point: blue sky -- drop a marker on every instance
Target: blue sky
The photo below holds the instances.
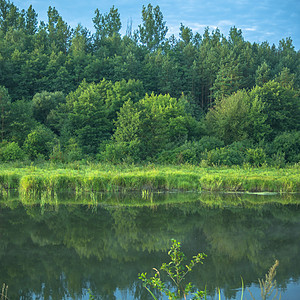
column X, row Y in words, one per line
column 262, row 20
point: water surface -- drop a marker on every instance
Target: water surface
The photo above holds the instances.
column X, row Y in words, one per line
column 60, row 251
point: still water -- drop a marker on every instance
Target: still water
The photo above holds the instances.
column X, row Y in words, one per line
column 63, row 249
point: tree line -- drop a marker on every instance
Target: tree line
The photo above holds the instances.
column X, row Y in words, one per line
column 67, row 94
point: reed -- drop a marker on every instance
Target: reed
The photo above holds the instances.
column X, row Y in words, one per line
column 101, row 178
column 3, row 295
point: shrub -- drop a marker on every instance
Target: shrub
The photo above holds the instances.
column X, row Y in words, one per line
column 11, row 152
column 57, row 154
column 72, row 151
column 229, row 118
column 225, row 156
column 190, row 152
column 289, row 144
column 256, row 157
column 39, row 141
column 117, row 152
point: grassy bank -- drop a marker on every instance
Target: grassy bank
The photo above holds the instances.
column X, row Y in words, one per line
column 99, row 178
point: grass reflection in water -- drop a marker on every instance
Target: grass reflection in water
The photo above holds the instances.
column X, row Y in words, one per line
column 59, row 251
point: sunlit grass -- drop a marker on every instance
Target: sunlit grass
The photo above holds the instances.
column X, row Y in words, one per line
column 111, row 178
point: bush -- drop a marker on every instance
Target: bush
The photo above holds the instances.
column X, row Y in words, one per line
column 190, row 152
column 277, row 160
column 256, row 157
column 225, row 156
column 72, row 151
column 39, row 142
column 289, row 144
column 116, row 152
column 11, row 152
column 57, row 154
column 229, row 118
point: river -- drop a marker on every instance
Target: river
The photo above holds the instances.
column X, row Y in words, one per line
column 71, row 248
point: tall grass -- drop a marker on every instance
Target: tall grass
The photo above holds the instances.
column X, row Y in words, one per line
column 104, row 178
column 3, row 295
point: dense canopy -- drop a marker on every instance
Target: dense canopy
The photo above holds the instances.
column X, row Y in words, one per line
column 67, row 93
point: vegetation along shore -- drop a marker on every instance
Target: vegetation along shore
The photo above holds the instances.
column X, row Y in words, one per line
column 107, row 178
column 198, row 112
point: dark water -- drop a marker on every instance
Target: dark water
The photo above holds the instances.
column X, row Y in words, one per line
column 60, row 251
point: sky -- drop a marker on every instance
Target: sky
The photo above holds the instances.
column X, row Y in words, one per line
column 259, row 20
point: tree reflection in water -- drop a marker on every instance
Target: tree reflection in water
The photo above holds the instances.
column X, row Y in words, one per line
column 61, row 251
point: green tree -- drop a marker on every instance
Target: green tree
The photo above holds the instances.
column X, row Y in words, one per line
column 21, row 121
column 44, row 102
column 4, row 110
column 287, row 143
column 87, row 115
column 107, row 25
column 280, row 109
column 263, row 74
column 156, row 122
column 9, row 16
column 153, row 30
column 93, row 107
column 31, row 21
column 228, row 119
column 286, row 78
column 11, row 152
column 227, row 81
column 59, row 32
column 39, row 142
column 185, row 33
column 125, row 145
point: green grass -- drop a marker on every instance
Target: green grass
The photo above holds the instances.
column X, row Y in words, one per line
column 89, row 178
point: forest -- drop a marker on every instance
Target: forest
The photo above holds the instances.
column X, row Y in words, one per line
column 69, row 94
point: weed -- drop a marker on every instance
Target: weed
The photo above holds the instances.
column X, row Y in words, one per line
column 269, row 285
column 3, row 295
column 177, row 272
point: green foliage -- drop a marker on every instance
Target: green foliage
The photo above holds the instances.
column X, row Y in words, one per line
column 279, row 108
column 72, row 151
column 39, row 142
column 227, row 156
column 21, row 121
column 43, row 103
column 176, row 271
column 11, row 152
column 107, row 25
column 263, row 74
column 81, row 178
column 119, row 152
column 93, row 107
column 286, row 78
column 255, row 157
column 57, row 154
column 155, row 123
column 192, row 152
column 4, row 109
column 227, row 82
column 228, row 119
column 152, row 32
column 186, row 33
column 208, row 72
column 237, row 153
column 287, row 143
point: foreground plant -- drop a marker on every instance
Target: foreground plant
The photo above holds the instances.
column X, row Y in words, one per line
column 269, row 285
column 3, row 295
column 176, row 271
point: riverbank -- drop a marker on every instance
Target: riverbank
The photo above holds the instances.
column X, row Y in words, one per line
column 108, row 178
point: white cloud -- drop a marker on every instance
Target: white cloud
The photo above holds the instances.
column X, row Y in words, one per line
column 225, row 23
column 249, row 28
column 197, row 26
